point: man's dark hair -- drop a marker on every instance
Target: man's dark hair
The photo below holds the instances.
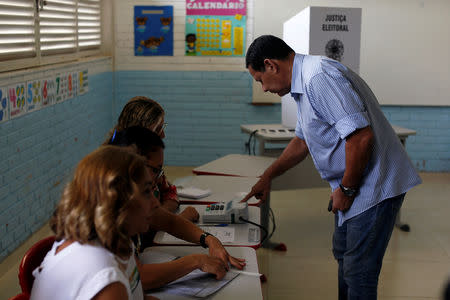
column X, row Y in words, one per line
column 145, row 140
column 266, row 46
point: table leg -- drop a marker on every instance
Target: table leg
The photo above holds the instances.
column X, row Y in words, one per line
column 261, row 146
column 265, row 209
column 402, row 226
column 398, row 223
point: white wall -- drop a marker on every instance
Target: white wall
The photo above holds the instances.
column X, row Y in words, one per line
column 405, row 45
column 124, row 42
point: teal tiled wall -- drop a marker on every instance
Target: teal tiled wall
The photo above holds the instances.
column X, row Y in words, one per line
column 38, row 153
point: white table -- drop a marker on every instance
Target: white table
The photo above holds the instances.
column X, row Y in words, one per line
column 278, row 134
column 250, row 166
column 242, row 287
column 245, row 234
column 223, row 188
column 244, row 166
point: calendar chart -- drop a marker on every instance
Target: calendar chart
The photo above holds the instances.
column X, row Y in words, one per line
column 215, row 28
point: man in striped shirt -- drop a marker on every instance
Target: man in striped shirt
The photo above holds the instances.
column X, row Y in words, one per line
column 353, row 146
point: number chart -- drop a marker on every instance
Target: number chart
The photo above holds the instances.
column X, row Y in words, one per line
column 16, row 95
column 83, row 82
column 48, row 91
column 34, row 95
column 4, row 108
column 21, row 98
column 62, row 87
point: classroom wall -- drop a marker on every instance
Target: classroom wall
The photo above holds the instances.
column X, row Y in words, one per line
column 39, row 150
column 404, row 45
column 205, row 98
column 429, row 149
column 205, row 106
column 204, row 110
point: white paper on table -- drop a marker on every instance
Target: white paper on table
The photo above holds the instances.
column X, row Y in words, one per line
column 193, row 192
column 197, row 284
column 225, row 234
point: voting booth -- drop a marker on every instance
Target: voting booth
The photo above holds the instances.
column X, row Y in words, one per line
column 334, row 32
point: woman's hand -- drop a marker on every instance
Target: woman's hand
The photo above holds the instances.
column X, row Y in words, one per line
column 216, row 249
column 190, row 213
column 212, row 265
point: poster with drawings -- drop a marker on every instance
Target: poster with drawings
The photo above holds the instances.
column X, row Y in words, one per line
column 62, row 87
column 16, row 96
column 153, row 30
column 83, row 82
column 48, row 91
column 34, row 95
column 4, row 111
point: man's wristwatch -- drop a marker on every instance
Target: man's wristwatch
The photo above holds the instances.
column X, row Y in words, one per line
column 349, row 192
column 203, row 238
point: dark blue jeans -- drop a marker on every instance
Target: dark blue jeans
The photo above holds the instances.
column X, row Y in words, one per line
column 359, row 246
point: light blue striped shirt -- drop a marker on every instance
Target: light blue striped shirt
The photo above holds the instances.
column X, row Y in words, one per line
column 333, row 102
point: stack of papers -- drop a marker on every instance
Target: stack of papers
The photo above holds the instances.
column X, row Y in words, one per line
column 195, row 284
column 192, row 192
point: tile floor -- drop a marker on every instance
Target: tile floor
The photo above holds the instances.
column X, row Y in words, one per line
column 416, row 264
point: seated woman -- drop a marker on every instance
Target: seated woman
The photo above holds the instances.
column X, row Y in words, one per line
column 147, row 143
column 144, row 112
column 110, row 198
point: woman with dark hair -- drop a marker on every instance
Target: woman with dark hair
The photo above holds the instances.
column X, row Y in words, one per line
column 147, row 113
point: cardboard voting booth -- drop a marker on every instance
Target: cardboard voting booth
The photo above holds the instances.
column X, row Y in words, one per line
column 334, row 32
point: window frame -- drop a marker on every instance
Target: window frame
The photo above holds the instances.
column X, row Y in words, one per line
column 39, row 60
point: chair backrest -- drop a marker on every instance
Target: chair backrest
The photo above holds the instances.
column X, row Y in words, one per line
column 31, row 260
column 21, row 296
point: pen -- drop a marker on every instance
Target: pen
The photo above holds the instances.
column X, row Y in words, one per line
column 247, row 273
column 214, row 225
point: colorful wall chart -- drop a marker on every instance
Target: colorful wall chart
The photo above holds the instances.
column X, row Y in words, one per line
column 4, row 107
column 74, row 86
column 48, row 91
column 24, row 97
column 83, row 82
column 153, row 30
column 34, row 95
column 62, row 87
column 17, row 103
column 215, row 27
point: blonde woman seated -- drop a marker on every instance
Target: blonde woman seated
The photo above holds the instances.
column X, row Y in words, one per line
column 150, row 145
column 110, row 199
